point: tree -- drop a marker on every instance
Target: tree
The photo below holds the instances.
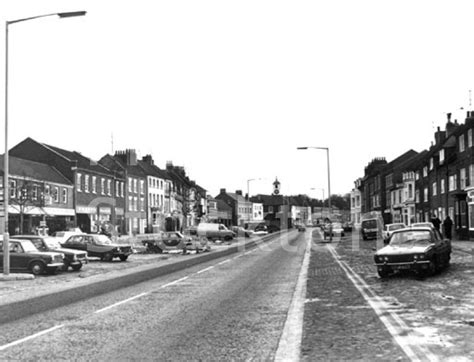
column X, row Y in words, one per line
column 25, row 195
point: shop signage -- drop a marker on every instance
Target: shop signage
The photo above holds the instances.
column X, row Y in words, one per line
column 86, row 210
column 105, row 210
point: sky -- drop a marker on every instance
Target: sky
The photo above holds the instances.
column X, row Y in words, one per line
column 230, row 89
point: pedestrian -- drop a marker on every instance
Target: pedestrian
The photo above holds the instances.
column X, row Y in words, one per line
column 447, row 225
column 436, row 222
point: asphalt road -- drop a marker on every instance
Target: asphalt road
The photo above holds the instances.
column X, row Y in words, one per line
column 230, row 308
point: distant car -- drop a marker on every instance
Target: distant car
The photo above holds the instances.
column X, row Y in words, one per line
column 98, row 245
column 24, row 257
column 272, row 229
column 167, row 241
column 301, row 227
column 240, row 231
column 371, row 228
column 390, row 228
column 418, row 249
column 423, row 224
column 336, row 228
column 72, row 258
column 347, row 226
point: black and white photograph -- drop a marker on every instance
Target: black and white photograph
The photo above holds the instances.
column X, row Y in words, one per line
column 215, row 180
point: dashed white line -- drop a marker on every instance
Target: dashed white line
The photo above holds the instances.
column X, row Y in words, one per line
column 26, row 339
column 205, row 270
column 121, row 302
column 174, row 282
column 224, row 261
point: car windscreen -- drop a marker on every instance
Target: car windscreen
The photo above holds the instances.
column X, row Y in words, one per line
column 411, row 237
column 395, row 227
column 52, row 243
column 369, row 224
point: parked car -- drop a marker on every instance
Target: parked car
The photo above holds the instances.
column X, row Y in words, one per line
column 423, row 224
column 301, row 227
column 98, row 245
column 167, row 241
column 390, row 228
column 418, row 249
column 272, row 229
column 371, row 228
column 335, row 227
column 242, row 232
column 72, row 258
column 62, row 236
column 24, row 257
column 347, row 226
column 214, row 231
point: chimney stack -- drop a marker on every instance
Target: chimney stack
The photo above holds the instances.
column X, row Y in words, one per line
column 238, row 192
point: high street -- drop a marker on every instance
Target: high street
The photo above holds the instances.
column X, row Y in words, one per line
column 278, row 301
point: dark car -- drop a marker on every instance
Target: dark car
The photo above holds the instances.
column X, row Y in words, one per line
column 301, row 227
column 167, row 241
column 24, row 257
column 72, row 258
column 242, row 232
column 98, row 245
column 418, row 249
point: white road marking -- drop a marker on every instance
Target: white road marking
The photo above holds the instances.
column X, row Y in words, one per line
column 206, row 269
column 224, row 261
column 26, row 339
column 400, row 332
column 121, row 302
column 175, row 282
column 290, row 342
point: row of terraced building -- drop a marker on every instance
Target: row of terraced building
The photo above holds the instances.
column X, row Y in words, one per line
column 416, row 185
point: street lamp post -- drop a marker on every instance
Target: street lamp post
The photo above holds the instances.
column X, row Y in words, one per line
column 329, row 179
column 6, row 252
column 248, row 183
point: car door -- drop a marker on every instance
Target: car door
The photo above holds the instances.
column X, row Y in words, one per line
column 76, row 242
column 18, row 258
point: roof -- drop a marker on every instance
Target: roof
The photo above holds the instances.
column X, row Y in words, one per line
column 153, row 170
column 35, row 170
column 82, row 161
column 269, row 199
column 116, row 163
column 221, row 205
column 236, row 197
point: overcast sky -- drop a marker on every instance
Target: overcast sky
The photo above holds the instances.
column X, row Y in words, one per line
column 230, row 89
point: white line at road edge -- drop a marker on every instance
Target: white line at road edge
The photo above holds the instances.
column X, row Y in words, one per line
column 290, row 341
column 26, row 339
column 400, row 332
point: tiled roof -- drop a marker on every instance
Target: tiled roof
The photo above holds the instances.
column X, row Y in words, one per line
column 82, row 161
column 34, row 170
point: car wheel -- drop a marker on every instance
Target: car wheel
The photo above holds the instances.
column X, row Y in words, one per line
column 383, row 273
column 123, row 257
column 37, row 267
column 108, row 257
column 76, row 267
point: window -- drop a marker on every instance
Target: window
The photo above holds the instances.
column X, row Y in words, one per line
column 55, row 194
column 434, row 188
column 102, row 186
column 417, row 175
column 130, row 203
column 142, row 187
column 142, row 204
column 34, row 193
column 388, row 180
column 122, row 189
column 78, row 182
column 94, row 184
column 461, row 143
column 471, row 175
column 64, row 196
column 425, row 171
column 109, row 187
column 442, row 186
column 417, row 196
column 425, row 194
column 86, row 183
column 117, row 188
column 129, row 184
column 12, row 189
column 452, row 182
column 135, row 185
column 463, row 179
column 441, row 156
column 410, row 191
column 469, row 137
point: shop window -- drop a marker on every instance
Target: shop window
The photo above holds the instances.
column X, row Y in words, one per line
column 64, row 196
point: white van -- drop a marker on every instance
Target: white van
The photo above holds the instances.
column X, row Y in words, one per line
column 215, row 231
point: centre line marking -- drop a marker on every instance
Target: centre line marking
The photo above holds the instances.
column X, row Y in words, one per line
column 400, row 332
column 26, row 339
column 206, row 269
column 121, row 302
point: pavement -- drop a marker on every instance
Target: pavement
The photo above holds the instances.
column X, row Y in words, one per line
column 23, row 294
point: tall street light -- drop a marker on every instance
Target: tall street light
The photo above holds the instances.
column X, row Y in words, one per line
column 329, row 178
column 248, row 183
column 6, row 253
